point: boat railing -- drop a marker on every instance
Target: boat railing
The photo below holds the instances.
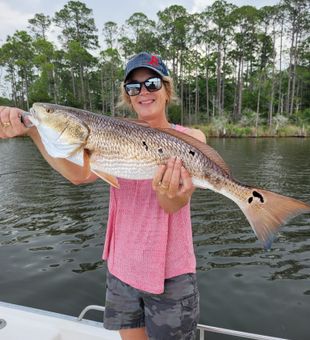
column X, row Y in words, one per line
column 203, row 329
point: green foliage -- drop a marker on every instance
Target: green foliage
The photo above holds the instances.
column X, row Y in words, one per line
column 5, row 102
column 224, row 62
column 248, row 118
column 304, row 116
column 39, row 24
column 234, row 130
column 174, row 113
column 38, row 91
column 77, row 24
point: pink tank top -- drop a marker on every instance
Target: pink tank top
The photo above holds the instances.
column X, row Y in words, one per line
column 144, row 245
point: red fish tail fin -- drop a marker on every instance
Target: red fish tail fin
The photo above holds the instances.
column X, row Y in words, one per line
column 267, row 211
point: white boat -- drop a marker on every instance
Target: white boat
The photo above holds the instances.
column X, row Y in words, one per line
column 25, row 323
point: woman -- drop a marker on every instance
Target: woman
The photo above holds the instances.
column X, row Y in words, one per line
column 151, row 282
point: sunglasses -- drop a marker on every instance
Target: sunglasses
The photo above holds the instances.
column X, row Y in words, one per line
column 152, row 85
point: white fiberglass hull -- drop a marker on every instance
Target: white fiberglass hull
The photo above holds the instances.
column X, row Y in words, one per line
column 24, row 323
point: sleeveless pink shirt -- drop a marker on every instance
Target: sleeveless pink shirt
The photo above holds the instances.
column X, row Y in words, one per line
column 144, row 245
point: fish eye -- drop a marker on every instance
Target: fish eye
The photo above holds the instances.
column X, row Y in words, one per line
column 49, row 110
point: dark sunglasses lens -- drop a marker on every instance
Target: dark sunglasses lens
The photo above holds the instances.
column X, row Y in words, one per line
column 153, row 84
column 133, row 89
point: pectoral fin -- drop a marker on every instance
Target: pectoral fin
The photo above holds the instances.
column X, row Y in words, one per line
column 86, row 164
column 112, row 180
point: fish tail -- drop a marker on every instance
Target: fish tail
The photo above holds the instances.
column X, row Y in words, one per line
column 267, row 211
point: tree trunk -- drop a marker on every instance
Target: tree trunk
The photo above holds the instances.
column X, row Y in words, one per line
column 237, row 112
column 112, row 106
column 182, row 91
column 27, row 91
column 290, row 71
column 89, row 94
column 280, row 105
column 189, row 105
column 240, row 90
column 218, row 79
column 102, row 90
column 223, row 83
column 55, row 89
column 207, row 86
column 299, row 96
column 14, row 90
column 73, row 82
column 270, row 111
column 182, row 101
column 234, row 109
column 258, row 101
column 83, row 87
column 294, row 75
column 196, row 95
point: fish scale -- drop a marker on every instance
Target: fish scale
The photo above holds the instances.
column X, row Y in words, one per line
column 135, row 143
column 113, row 147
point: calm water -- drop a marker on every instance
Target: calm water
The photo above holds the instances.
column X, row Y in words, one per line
column 52, row 234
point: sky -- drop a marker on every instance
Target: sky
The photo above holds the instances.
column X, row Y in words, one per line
column 14, row 14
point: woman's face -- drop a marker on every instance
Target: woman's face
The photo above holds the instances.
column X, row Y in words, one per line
column 148, row 105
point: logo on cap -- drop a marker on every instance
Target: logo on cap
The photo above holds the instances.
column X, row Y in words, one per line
column 154, row 61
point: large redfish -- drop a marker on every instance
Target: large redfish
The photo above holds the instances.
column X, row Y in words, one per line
column 115, row 147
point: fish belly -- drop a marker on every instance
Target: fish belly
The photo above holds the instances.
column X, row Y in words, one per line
column 124, row 168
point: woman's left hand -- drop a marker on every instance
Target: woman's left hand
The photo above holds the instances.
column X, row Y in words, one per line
column 173, row 185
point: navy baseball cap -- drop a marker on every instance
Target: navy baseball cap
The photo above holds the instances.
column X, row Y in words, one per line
column 144, row 59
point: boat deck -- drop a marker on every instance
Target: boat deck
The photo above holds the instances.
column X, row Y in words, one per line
column 25, row 323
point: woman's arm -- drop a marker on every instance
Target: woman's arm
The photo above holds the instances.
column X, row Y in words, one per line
column 72, row 172
column 11, row 126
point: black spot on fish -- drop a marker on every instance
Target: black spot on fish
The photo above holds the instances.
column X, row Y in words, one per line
column 258, row 195
column 192, row 153
column 250, row 199
column 160, row 150
column 145, row 145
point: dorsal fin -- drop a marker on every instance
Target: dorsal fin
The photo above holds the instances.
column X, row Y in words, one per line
column 204, row 148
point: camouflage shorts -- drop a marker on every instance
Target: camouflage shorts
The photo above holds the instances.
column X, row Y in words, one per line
column 171, row 315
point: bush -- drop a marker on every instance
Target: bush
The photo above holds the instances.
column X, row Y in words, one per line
column 174, row 113
column 219, row 124
column 5, row 102
column 303, row 117
column 280, row 121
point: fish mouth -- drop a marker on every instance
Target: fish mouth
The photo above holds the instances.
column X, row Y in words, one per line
column 33, row 117
column 29, row 119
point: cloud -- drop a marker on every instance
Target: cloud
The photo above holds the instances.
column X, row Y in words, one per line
column 11, row 19
column 200, row 5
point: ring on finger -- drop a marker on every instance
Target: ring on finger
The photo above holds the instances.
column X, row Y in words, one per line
column 6, row 124
column 163, row 186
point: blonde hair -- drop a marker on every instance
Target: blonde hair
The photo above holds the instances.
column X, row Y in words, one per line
column 124, row 99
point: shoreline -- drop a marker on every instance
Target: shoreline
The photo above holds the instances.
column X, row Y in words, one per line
column 263, row 131
column 237, row 131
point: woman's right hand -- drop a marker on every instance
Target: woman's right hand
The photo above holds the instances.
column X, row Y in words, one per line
column 10, row 122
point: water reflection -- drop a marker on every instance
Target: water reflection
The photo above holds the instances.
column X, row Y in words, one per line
column 52, row 234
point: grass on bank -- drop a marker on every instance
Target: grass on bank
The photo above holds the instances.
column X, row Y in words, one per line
column 252, row 126
column 235, row 130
